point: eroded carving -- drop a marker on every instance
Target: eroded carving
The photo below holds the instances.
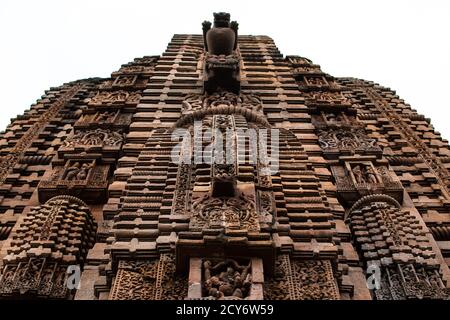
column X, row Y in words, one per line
column 97, row 137
column 227, row 279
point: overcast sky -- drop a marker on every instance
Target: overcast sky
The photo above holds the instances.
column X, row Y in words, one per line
column 401, row 44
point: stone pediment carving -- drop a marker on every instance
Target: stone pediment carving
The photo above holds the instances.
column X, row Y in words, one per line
column 197, row 106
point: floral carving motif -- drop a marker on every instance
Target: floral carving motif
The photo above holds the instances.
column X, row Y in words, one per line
column 231, row 213
column 149, row 280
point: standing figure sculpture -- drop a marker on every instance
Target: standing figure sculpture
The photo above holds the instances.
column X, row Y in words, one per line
column 357, row 172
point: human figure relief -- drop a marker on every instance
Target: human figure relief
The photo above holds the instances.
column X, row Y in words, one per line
column 84, row 171
column 370, row 175
column 227, row 279
column 358, row 173
column 72, row 171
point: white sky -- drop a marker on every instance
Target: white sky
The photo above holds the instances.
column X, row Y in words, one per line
column 401, row 44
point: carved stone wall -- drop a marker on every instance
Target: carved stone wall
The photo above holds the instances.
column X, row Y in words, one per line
column 361, row 181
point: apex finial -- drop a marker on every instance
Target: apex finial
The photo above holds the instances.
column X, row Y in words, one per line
column 221, row 19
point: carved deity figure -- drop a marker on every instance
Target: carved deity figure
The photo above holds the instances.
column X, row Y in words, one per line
column 84, row 171
column 358, row 173
column 370, row 175
column 72, row 171
column 222, row 38
column 226, row 279
column 78, row 172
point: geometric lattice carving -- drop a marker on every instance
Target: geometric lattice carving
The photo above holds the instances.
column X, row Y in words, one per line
column 296, row 279
column 149, row 280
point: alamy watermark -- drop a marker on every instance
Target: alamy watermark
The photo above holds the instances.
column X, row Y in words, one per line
column 373, row 277
column 230, row 146
column 73, row 280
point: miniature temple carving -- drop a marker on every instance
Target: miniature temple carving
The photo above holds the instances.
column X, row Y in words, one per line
column 223, row 170
column 37, row 264
column 392, row 239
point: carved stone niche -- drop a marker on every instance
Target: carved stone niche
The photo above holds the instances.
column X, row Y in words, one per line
column 221, row 60
column 82, row 178
column 226, row 279
column 105, row 141
column 360, row 176
column 110, row 99
column 346, row 141
column 328, row 101
column 124, row 81
column 113, row 119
